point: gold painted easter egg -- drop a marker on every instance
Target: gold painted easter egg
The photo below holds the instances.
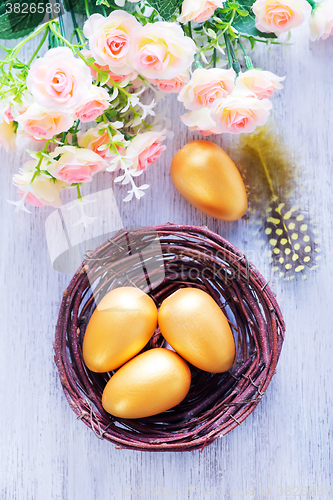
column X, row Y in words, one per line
column 208, row 178
column 119, row 328
column 152, row 382
column 194, row 325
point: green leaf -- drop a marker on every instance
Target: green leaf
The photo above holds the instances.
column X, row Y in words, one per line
column 165, row 8
column 231, row 32
column 252, row 42
column 21, row 21
column 242, row 13
column 246, row 26
column 233, row 5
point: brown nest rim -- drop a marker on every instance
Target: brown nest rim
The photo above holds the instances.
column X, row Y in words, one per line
column 159, row 260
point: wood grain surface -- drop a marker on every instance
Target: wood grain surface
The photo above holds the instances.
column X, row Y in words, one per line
column 283, row 450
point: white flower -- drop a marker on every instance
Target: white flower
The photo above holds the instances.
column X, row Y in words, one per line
column 8, row 136
column 321, row 21
column 198, row 10
column 37, row 190
column 201, row 121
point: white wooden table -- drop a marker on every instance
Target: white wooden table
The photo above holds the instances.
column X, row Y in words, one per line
column 285, row 445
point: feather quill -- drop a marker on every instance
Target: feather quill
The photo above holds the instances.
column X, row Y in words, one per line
column 271, row 176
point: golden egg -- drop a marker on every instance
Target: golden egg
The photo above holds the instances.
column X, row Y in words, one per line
column 208, row 178
column 194, row 325
column 148, row 384
column 119, row 328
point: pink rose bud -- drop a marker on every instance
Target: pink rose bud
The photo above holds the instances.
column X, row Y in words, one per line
column 145, row 149
column 174, row 85
column 96, row 102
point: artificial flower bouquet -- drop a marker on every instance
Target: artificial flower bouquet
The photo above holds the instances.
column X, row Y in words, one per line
column 86, row 105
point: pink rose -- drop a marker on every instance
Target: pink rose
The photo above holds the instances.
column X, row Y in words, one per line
column 59, row 80
column 96, row 102
column 240, row 113
column 145, row 148
column 97, row 139
column 321, row 21
column 161, row 50
column 43, row 191
column 198, row 10
column 110, row 39
column 112, row 76
column 42, row 123
column 200, row 121
column 8, row 115
column 8, row 136
column 175, row 85
column 76, row 165
column 279, row 16
column 20, row 105
column 262, row 83
column 207, row 85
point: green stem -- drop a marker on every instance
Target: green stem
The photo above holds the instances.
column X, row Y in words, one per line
column 312, row 3
column 77, row 127
column 39, row 46
column 63, row 138
column 78, row 191
column 86, row 8
column 228, row 51
column 247, row 59
column 37, row 171
column 197, row 62
column 264, row 40
column 189, row 25
column 214, row 57
column 58, row 35
column 76, row 26
column 229, row 23
column 61, row 22
column 74, row 139
column 19, row 46
column 231, row 54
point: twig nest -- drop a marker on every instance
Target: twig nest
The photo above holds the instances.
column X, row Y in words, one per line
column 159, row 260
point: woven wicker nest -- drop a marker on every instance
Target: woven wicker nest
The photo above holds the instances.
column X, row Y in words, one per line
column 159, row 260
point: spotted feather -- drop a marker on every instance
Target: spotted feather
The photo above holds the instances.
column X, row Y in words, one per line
column 271, row 175
column 292, row 239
